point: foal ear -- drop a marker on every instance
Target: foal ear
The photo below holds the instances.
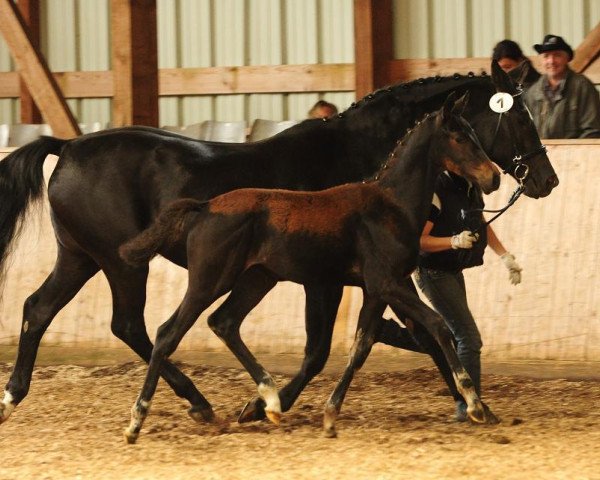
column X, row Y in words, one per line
column 448, row 108
column 501, row 80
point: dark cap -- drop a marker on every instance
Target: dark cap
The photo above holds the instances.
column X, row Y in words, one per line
column 553, row 42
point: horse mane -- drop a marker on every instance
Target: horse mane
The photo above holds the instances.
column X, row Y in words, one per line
column 414, row 91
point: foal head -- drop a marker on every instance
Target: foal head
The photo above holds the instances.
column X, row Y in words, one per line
column 460, row 150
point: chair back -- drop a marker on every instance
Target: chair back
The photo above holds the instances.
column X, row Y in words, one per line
column 262, row 128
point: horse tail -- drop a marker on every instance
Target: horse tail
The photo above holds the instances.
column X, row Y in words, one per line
column 165, row 230
column 21, row 185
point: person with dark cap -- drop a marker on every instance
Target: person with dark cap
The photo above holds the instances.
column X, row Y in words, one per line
column 509, row 55
column 564, row 104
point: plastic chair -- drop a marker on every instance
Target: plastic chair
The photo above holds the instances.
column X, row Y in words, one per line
column 216, row 131
column 90, row 127
column 23, row 133
column 4, row 129
column 262, row 129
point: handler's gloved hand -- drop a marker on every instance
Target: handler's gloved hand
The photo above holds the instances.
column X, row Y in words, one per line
column 464, row 239
column 514, row 270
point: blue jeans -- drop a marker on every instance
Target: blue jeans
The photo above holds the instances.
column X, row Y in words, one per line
column 446, row 292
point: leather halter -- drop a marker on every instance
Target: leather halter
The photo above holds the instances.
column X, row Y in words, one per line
column 520, row 170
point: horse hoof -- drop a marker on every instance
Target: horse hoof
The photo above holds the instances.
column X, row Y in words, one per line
column 477, row 413
column 201, row 414
column 275, row 417
column 330, row 432
column 130, row 437
column 490, row 417
column 5, row 411
column 254, row 410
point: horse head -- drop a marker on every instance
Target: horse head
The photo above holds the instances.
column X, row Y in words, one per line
column 461, row 150
column 511, row 138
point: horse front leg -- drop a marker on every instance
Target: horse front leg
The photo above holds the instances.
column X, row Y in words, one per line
column 406, row 302
column 249, row 288
column 369, row 323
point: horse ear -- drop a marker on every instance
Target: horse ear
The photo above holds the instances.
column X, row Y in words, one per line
column 448, row 107
column 501, row 80
column 461, row 104
column 520, row 72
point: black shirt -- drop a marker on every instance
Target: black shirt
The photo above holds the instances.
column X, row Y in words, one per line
column 451, row 213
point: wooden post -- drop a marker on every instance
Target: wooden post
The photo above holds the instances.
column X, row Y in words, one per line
column 30, row 10
column 373, row 44
column 587, row 51
column 134, row 62
column 35, row 73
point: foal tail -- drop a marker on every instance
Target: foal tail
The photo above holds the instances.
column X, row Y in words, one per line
column 21, row 185
column 166, row 229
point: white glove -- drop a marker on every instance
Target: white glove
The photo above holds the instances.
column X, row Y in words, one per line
column 464, row 239
column 514, row 270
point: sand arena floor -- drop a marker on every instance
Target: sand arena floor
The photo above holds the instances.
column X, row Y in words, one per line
column 393, row 425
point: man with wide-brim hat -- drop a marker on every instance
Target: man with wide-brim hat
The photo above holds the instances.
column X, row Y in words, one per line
column 564, row 104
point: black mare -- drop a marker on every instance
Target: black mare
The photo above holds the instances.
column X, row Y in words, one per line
column 109, row 186
column 362, row 234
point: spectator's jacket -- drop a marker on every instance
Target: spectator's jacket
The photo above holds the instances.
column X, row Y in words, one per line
column 574, row 114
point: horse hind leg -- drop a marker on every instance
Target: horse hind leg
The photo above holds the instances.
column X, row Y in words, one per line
column 249, row 289
column 321, row 308
column 128, row 288
column 71, row 271
column 168, row 337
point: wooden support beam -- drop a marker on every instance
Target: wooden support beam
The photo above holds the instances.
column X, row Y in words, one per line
column 134, row 62
column 35, row 72
column 372, row 44
column 30, row 11
column 587, row 51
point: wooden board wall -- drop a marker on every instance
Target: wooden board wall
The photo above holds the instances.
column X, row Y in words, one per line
column 553, row 314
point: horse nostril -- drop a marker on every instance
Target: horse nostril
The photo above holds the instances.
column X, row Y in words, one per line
column 496, row 181
column 552, row 181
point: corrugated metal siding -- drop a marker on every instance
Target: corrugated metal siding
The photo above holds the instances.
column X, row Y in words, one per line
column 465, row 28
column 202, row 33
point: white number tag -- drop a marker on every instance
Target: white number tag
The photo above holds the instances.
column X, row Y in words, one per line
column 501, row 102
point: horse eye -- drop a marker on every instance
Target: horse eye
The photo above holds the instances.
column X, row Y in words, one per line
column 461, row 139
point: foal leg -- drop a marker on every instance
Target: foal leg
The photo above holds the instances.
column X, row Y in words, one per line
column 321, row 308
column 369, row 322
column 128, row 287
column 249, row 289
column 71, row 271
column 168, row 337
column 408, row 303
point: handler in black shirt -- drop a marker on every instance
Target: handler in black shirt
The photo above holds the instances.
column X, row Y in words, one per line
column 454, row 239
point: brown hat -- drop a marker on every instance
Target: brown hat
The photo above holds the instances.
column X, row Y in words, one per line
column 553, row 42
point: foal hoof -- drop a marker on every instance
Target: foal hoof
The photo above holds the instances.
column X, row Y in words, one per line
column 5, row 410
column 275, row 417
column 130, row 437
column 477, row 413
column 200, row 414
column 330, row 432
column 253, row 411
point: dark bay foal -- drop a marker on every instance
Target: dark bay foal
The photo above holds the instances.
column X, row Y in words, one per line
column 362, row 234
